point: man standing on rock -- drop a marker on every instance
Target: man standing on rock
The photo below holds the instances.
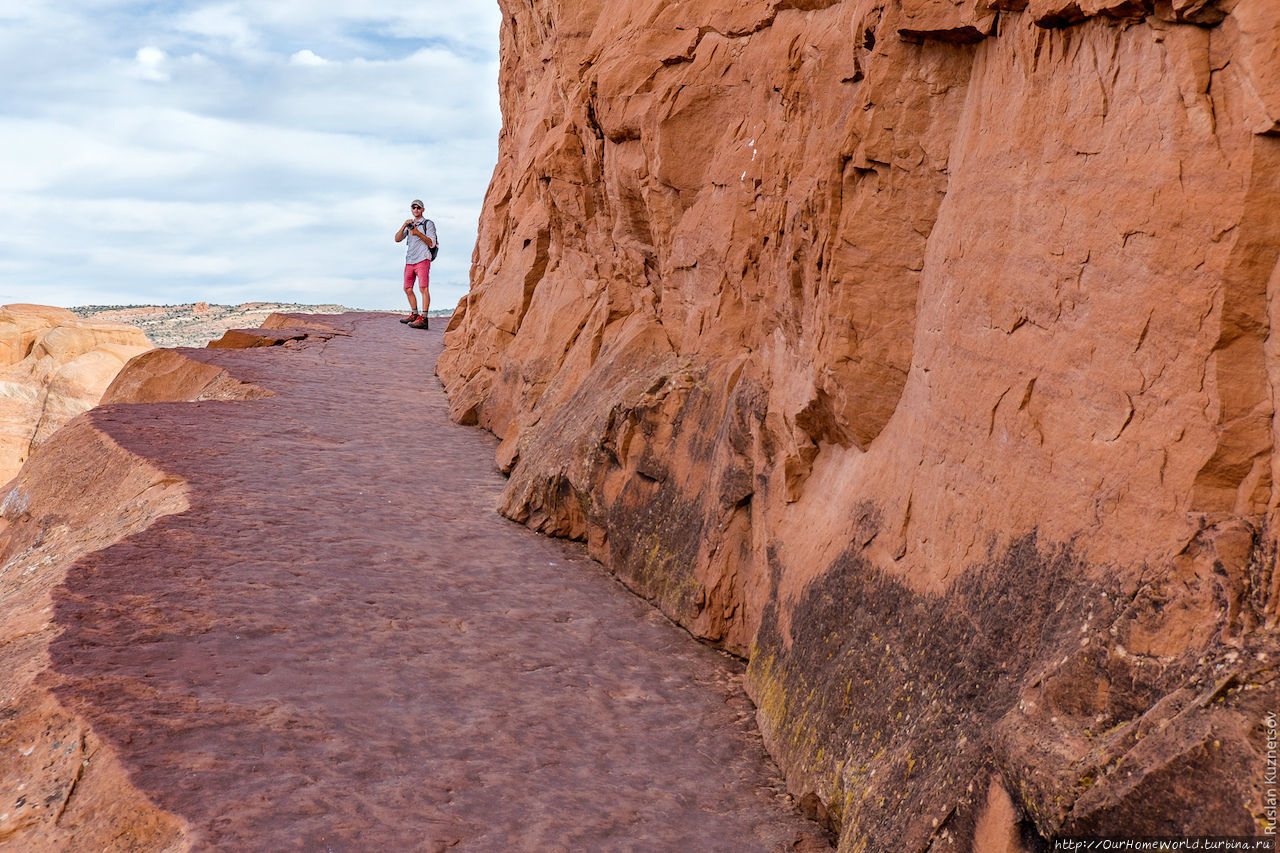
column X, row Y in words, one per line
column 417, row 262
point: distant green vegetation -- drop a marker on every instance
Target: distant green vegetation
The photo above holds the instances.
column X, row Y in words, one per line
column 86, row 310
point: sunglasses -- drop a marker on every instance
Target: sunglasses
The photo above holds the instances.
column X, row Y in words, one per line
column 415, row 207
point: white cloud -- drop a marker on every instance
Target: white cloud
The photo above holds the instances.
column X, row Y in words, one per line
column 275, row 162
column 150, row 64
column 307, row 57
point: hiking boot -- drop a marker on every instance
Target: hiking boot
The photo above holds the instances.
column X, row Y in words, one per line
column 410, row 318
column 420, row 323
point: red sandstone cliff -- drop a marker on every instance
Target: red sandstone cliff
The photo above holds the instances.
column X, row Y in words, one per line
column 921, row 352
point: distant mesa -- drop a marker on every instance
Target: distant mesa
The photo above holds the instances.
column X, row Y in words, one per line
column 195, row 324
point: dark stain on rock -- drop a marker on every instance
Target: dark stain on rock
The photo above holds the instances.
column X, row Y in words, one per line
column 899, row 705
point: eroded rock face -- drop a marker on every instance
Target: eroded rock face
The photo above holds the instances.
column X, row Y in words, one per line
column 53, row 366
column 919, row 351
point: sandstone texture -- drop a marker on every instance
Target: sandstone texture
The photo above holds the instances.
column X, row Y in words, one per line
column 53, row 366
column 919, row 352
column 259, row 600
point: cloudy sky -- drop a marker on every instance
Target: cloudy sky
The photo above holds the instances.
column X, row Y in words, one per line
column 244, row 150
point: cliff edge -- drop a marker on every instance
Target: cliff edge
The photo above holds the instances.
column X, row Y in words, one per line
column 53, row 366
column 919, row 352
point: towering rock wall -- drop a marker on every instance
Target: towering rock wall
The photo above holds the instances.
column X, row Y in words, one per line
column 919, row 351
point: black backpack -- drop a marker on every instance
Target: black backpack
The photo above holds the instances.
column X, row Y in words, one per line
column 435, row 250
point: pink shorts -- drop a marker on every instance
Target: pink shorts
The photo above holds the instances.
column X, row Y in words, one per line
column 422, row 270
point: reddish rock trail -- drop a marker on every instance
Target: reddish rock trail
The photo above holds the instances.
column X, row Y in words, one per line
column 341, row 646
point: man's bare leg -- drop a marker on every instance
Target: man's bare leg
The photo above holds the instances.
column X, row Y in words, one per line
column 421, row 322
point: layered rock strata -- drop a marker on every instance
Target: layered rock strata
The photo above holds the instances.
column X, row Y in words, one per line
column 53, row 366
column 920, row 352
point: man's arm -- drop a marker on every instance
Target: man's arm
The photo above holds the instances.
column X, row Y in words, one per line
column 403, row 228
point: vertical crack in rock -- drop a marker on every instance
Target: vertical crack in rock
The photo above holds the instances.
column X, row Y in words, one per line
column 1237, row 478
